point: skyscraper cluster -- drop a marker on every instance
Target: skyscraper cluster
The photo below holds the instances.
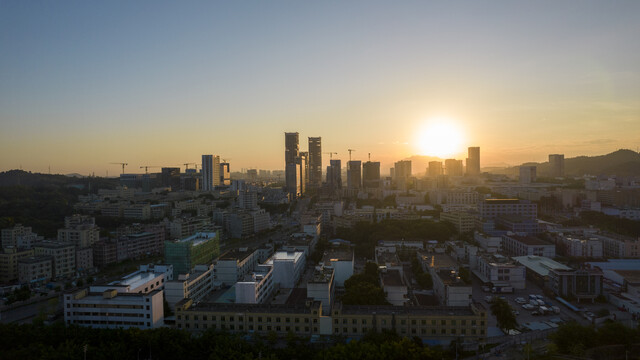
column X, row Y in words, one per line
column 302, row 169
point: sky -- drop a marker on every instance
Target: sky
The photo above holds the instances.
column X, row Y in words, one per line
column 84, row 84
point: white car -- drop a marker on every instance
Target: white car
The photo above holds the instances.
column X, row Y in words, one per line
column 528, row 307
column 521, row 301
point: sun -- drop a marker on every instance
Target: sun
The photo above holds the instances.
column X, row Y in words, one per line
column 440, row 137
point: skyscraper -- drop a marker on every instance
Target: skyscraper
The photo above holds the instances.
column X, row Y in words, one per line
column 225, row 174
column 315, row 161
column 210, row 172
column 435, row 168
column 354, row 174
column 556, row 162
column 302, row 172
column 371, row 174
column 473, row 161
column 527, row 174
column 291, row 152
column 402, row 174
column 334, row 174
column 453, row 167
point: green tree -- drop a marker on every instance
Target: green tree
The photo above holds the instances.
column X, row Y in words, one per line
column 501, row 309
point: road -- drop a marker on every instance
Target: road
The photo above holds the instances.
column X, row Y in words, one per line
column 26, row 313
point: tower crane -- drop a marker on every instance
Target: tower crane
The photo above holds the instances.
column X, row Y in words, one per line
column 226, row 160
column 146, row 168
column 186, row 165
column 350, row 150
column 369, row 157
column 121, row 163
column 331, row 154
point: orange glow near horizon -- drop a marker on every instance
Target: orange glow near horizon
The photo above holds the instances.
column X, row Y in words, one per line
column 440, row 137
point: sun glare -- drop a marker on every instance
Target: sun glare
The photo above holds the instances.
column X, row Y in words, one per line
column 441, row 138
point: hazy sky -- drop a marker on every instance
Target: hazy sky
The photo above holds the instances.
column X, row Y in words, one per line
column 83, row 84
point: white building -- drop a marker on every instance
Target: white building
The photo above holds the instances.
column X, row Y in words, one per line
column 261, row 220
column 98, row 307
column 490, row 244
column 145, row 280
column 500, row 271
column 591, row 248
column 210, row 172
column 341, row 260
column 322, row 287
column 517, row 245
column 234, row 265
column 450, row 289
column 257, row 287
column 195, row 285
column 288, row 266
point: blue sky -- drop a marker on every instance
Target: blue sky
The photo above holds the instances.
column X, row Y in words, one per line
column 83, row 84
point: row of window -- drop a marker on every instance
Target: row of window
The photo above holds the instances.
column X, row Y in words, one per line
column 414, row 331
column 87, row 313
column 102, row 322
column 413, row 322
column 106, row 306
column 241, row 318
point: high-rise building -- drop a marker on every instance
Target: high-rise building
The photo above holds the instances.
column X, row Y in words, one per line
column 473, row 161
column 291, row 153
column 170, row 176
column 435, row 168
column 302, row 171
column 354, row 174
column 556, row 162
column 371, row 174
column 527, row 174
column 225, row 174
column 210, row 172
column 402, row 174
column 334, row 174
column 315, row 161
column 453, row 167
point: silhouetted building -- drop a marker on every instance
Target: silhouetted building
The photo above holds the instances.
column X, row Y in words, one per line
column 453, row 167
column 302, row 171
column 334, row 174
column 371, row 174
column 354, row 174
column 435, row 168
column 527, row 174
column 170, row 176
column 291, row 153
column 473, row 161
column 556, row 162
column 315, row 161
column 210, row 172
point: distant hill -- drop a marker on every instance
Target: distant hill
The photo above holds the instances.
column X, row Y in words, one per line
column 26, row 178
column 621, row 163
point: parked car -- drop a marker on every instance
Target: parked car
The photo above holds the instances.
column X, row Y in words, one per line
column 521, row 301
column 488, row 298
column 528, row 307
column 486, row 289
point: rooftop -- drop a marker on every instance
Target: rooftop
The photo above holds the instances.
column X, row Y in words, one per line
column 239, row 254
column 631, row 276
column 254, row 308
column 285, row 255
column 337, row 254
column 392, row 278
column 451, row 278
column 501, row 201
column 528, row 240
column 540, row 264
column 136, row 279
column 34, row 259
column 322, row 275
column 438, row 260
column 406, row 310
column 198, row 238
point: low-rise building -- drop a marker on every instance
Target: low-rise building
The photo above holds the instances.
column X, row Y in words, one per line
column 9, row 257
column 84, row 259
column 341, row 259
column 195, row 285
column 111, row 309
column 235, row 264
column 450, row 288
column 519, row 245
column 63, row 254
column 288, row 266
column 538, row 268
column 394, row 287
column 500, row 271
column 197, row 249
column 321, row 287
column 490, row 244
column 35, row 270
column 579, row 284
column 464, row 221
column 591, row 247
column 256, row 287
column 148, row 278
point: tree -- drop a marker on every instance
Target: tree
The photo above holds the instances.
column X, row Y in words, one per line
column 501, row 309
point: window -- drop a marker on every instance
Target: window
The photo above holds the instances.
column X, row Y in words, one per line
column 443, row 322
column 354, row 321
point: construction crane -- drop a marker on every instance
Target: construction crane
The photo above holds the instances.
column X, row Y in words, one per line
column 146, row 168
column 226, row 160
column 186, row 165
column 121, row 163
column 369, row 157
column 331, row 154
column 350, row 150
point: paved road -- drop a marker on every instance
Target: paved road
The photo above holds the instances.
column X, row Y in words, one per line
column 26, row 313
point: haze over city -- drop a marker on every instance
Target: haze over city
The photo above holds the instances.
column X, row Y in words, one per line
column 86, row 84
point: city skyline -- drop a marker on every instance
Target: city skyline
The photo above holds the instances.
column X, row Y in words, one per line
column 86, row 85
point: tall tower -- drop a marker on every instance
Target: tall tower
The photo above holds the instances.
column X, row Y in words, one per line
column 556, row 161
column 315, row 161
column 334, row 174
column 291, row 153
column 210, row 172
column 225, row 174
column 354, row 174
column 371, row 174
column 435, row 168
column 473, row 161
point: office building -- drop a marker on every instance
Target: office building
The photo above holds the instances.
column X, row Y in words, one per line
column 582, row 284
column 210, row 172
column 527, row 174
column 63, row 254
column 235, row 264
column 9, row 258
column 435, row 169
column 556, row 164
column 256, row 287
column 315, row 161
column 225, row 174
column 464, row 221
column 453, row 167
column 302, row 172
column 291, row 153
column 500, row 271
column 195, row 285
column 35, row 270
column 402, row 174
column 491, row 208
column 354, row 174
column 80, row 230
column 170, row 177
column 371, row 175
column 473, row 161
column 288, row 266
column 517, row 245
column 321, row 287
column 334, row 174
column 19, row 236
column 342, row 260
column 197, row 249
column 97, row 307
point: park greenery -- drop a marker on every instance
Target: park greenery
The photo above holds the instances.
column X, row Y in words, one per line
column 575, row 339
column 364, row 289
column 503, row 312
column 57, row 341
column 366, row 235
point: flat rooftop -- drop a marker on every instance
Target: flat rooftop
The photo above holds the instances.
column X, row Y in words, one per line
column 323, row 275
column 631, row 276
column 135, row 279
column 438, row 260
column 392, row 278
column 501, row 201
column 285, row 255
column 406, row 310
column 337, row 254
column 449, row 280
column 253, row 308
column 199, row 238
column 529, row 240
column 237, row 254
column 540, row 264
